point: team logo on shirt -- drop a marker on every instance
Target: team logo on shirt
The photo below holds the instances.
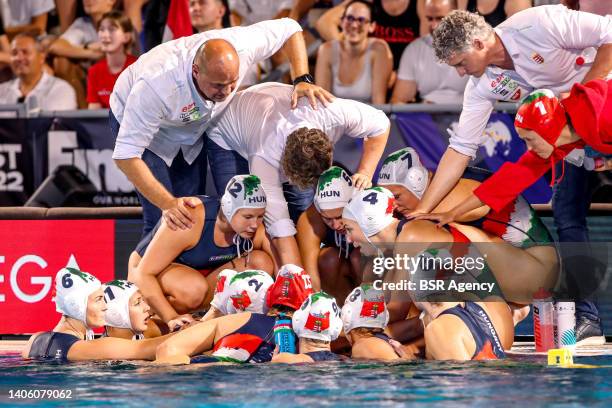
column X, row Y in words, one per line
column 190, row 112
column 537, row 58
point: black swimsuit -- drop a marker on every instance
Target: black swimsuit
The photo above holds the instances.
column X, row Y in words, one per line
column 52, row 346
column 324, row 356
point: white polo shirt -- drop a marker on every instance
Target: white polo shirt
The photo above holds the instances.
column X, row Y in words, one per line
column 257, row 123
column 436, row 82
column 155, row 99
column 551, row 47
column 50, row 94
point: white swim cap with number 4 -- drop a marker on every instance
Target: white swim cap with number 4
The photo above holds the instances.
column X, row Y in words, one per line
column 372, row 209
column 242, row 191
column 404, row 168
column 318, row 318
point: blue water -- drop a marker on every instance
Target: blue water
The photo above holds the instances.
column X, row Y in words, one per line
column 520, row 383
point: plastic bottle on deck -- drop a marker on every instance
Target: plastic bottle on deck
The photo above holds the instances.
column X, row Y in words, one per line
column 543, row 320
column 565, row 325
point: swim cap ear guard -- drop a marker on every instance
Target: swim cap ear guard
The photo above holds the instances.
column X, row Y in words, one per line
column 117, row 295
column 222, row 290
column 404, row 168
column 334, row 189
column 72, row 288
column 247, row 292
column 242, row 191
column 542, row 112
column 371, row 209
column 318, row 318
column 291, row 287
column 364, row 307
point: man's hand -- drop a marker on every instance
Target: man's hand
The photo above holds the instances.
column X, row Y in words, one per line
column 312, row 92
column 361, row 181
column 179, row 322
column 177, row 215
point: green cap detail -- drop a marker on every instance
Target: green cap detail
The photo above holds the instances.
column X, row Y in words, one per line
column 244, row 275
column 535, row 95
column 83, row 275
column 328, row 176
column 395, row 156
column 118, row 283
column 320, row 295
column 251, row 183
column 378, row 189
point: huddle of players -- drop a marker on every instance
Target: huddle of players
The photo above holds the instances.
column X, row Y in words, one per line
column 247, row 302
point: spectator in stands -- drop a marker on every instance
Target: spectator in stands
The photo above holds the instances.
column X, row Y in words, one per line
column 419, row 69
column 494, row 11
column 32, row 84
column 398, row 22
column 207, row 15
column 355, row 67
column 78, row 47
column 4, row 49
column 247, row 12
column 115, row 34
column 20, row 16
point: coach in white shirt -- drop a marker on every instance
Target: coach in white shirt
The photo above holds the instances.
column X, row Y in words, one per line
column 540, row 47
column 32, row 85
column 162, row 104
column 282, row 145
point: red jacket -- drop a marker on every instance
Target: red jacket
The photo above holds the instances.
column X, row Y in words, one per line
column 589, row 107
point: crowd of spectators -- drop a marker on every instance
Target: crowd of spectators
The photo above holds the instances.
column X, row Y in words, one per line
column 67, row 54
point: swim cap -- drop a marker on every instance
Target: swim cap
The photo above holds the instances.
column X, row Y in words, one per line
column 247, row 291
column 242, row 191
column 72, row 288
column 291, row 287
column 222, row 290
column 364, row 307
column 334, row 189
column 117, row 296
column 542, row 112
column 404, row 168
column 318, row 318
column 372, row 209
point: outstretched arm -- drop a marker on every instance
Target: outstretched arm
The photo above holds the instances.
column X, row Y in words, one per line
column 113, row 348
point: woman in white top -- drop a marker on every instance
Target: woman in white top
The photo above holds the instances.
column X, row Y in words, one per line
column 355, row 67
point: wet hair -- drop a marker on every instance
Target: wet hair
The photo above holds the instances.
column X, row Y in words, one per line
column 275, row 310
column 121, row 21
column 307, row 154
column 367, row 331
column 457, row 31
column 317, row 341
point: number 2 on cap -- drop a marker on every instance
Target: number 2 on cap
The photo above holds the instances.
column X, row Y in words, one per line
column 234, row 189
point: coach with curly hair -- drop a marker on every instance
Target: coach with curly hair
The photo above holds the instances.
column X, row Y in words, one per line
column 289, row 149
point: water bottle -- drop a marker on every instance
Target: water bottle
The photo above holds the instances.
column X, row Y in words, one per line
column 543, row 320
column 284, row 337
column 565, row 324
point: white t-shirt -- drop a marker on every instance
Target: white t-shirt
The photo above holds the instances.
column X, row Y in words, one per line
column 20, row 12
column 437, row 82
column 254, row 11
column 546, row 45
column 81, row 32
column 157, row 103
column 50, row 93
column 257, row 123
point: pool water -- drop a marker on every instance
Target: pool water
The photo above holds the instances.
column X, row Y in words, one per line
column 521, row 383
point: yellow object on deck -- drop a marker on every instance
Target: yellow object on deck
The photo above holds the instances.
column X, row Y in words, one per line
column 560, row 357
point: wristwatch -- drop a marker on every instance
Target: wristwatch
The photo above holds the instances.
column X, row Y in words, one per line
column 303, row 78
